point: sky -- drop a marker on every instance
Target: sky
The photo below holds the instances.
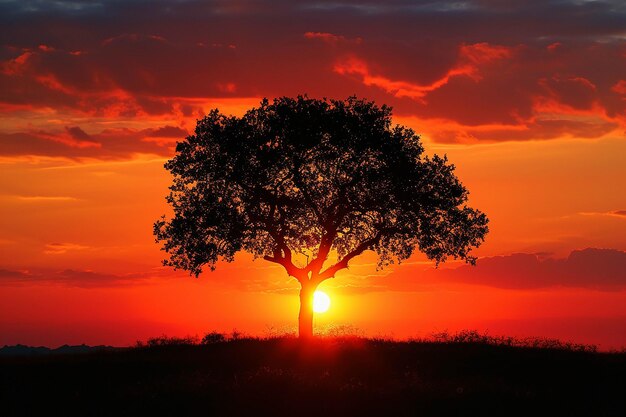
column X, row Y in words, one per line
column 527, row 99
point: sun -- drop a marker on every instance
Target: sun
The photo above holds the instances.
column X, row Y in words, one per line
column 321, row 302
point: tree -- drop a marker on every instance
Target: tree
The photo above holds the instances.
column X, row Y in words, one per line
column 328, row 179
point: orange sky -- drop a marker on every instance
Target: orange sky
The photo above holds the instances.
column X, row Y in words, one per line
column 93, row 98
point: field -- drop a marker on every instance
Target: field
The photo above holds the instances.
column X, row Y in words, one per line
column 452, row 376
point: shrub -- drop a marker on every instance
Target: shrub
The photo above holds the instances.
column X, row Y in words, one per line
column 171, row 341
column 213, row 338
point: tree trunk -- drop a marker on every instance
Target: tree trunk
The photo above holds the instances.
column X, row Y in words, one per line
column 305, row 318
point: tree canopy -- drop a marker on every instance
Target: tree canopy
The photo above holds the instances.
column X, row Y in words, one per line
column 308, row 176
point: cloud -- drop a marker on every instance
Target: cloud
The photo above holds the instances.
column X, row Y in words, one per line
column 330, row 38
column 133, row 37
column 620, row 87
column 108, row 144
column 71, row 277
column 41, row 198
column 59, row 248
column 539, row 70
column 592, row 268
column 169, row 132
column 397, row 88
column 78, row 134
column 470, row 58
column 538, row 129
column 575, row 92
column 613, row 213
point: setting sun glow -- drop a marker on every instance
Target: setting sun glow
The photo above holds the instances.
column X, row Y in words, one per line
column 321, row 302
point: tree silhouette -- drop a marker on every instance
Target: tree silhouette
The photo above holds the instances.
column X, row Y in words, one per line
column 328, row 179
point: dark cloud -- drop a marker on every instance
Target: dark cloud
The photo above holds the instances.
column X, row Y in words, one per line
column 576, row 92
column 600, row 269
column 473, row 64
column 108, row 144
column 79, row 134
column 536, row 129
column 169, row 132
column 70, row 277
column 10, row 275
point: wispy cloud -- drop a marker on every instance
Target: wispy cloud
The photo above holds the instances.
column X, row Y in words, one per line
column 613, row 213
column 61, row 248
column 72, row 277
column 41, row 198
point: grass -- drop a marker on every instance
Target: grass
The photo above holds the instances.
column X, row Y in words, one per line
column 463, row 374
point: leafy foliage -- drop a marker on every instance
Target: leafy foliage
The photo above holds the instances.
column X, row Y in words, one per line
column 307, row 176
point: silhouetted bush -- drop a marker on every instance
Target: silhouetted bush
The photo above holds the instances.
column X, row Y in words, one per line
column 171, row 341
column 212, row 338
column 474, row 336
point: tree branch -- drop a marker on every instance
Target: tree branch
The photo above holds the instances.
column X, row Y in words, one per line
column 343, row 263
column 291, row 269
column 297, row 179
column 330, row 225
column 326, row 243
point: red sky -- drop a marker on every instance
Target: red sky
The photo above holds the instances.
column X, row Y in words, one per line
column 527, row 99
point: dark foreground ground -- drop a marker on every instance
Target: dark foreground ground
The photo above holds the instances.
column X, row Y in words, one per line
column 332, row 377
